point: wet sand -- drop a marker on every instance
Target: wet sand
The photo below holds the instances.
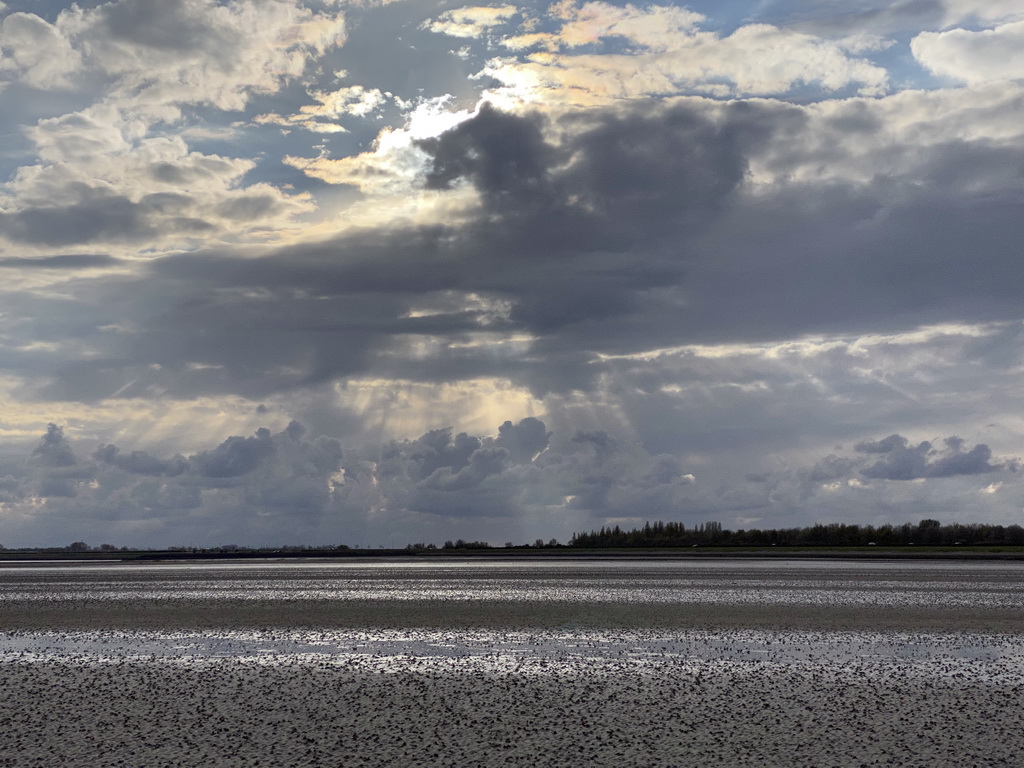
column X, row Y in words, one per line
column 106, row 678
column 227, row 614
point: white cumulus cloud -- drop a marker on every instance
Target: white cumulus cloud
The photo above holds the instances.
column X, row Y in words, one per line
column 973, row 57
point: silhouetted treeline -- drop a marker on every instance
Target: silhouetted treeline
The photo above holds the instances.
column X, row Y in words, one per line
column 926, row 532
column 461, row 544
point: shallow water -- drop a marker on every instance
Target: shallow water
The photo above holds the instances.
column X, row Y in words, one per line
column 768, row 582
column 381, row 649
column 767, row 585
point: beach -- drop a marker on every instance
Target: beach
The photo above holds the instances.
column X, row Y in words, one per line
column 724, row 665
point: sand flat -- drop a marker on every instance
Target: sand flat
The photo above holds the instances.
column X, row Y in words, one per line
column 181, row 667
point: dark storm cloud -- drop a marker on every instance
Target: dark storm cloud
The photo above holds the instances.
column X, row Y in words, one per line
column 288, row 485
column 53, row 450
column 53, row 469
column 483, row 463
column 517, row 471
column 903, row 461
column 503, row 155
column 609, row 477
column 268, row 482
column 558, row 237
column 140, row 462
column 99, row 217
column 102, row 217
column 599, row 439
column 632, row 231
column 236, row 456
column 438, row 449
column 523, row 441
column 267, row 485
column 513, row 473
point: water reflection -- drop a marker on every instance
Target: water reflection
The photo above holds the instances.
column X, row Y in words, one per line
column 998, row 654
column 819, row 583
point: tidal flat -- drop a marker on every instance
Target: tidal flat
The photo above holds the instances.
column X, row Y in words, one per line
column 493, row 663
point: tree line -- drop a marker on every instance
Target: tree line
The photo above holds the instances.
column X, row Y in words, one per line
column 925, row 533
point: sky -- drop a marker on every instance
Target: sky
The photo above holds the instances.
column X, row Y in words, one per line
column 376, row 273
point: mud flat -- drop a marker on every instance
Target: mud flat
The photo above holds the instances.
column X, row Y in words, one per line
column 370, row 667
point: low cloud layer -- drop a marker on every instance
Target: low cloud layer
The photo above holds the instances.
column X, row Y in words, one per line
column 521, row 483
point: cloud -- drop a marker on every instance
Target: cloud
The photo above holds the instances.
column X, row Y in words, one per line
column 36, row 52
column 105, row 175
column 165, row 54
column 319, row 317
column 235, row 457
column 276, row 485
column 902, row 461
column 97, row 187
column 471, row 21
column 501, row 154
column 525, row 441
column 980, row 11
column 669, row 54
column 973, row 56
column 392, row 168
column 294, row 488
column 331, row 106
column 517, row 473
column 53, row 469
column 718, row 250
column 898, row 19
column 617, row 231
column 657, row 27
column 140, row 462
column 98, row 218
column 53, row 450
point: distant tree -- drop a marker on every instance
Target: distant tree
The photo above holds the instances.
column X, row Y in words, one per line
column 463, row 544
column 928, row 532
column 78, row 546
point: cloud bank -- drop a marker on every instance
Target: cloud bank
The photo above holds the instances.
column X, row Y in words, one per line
column 286, row 487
